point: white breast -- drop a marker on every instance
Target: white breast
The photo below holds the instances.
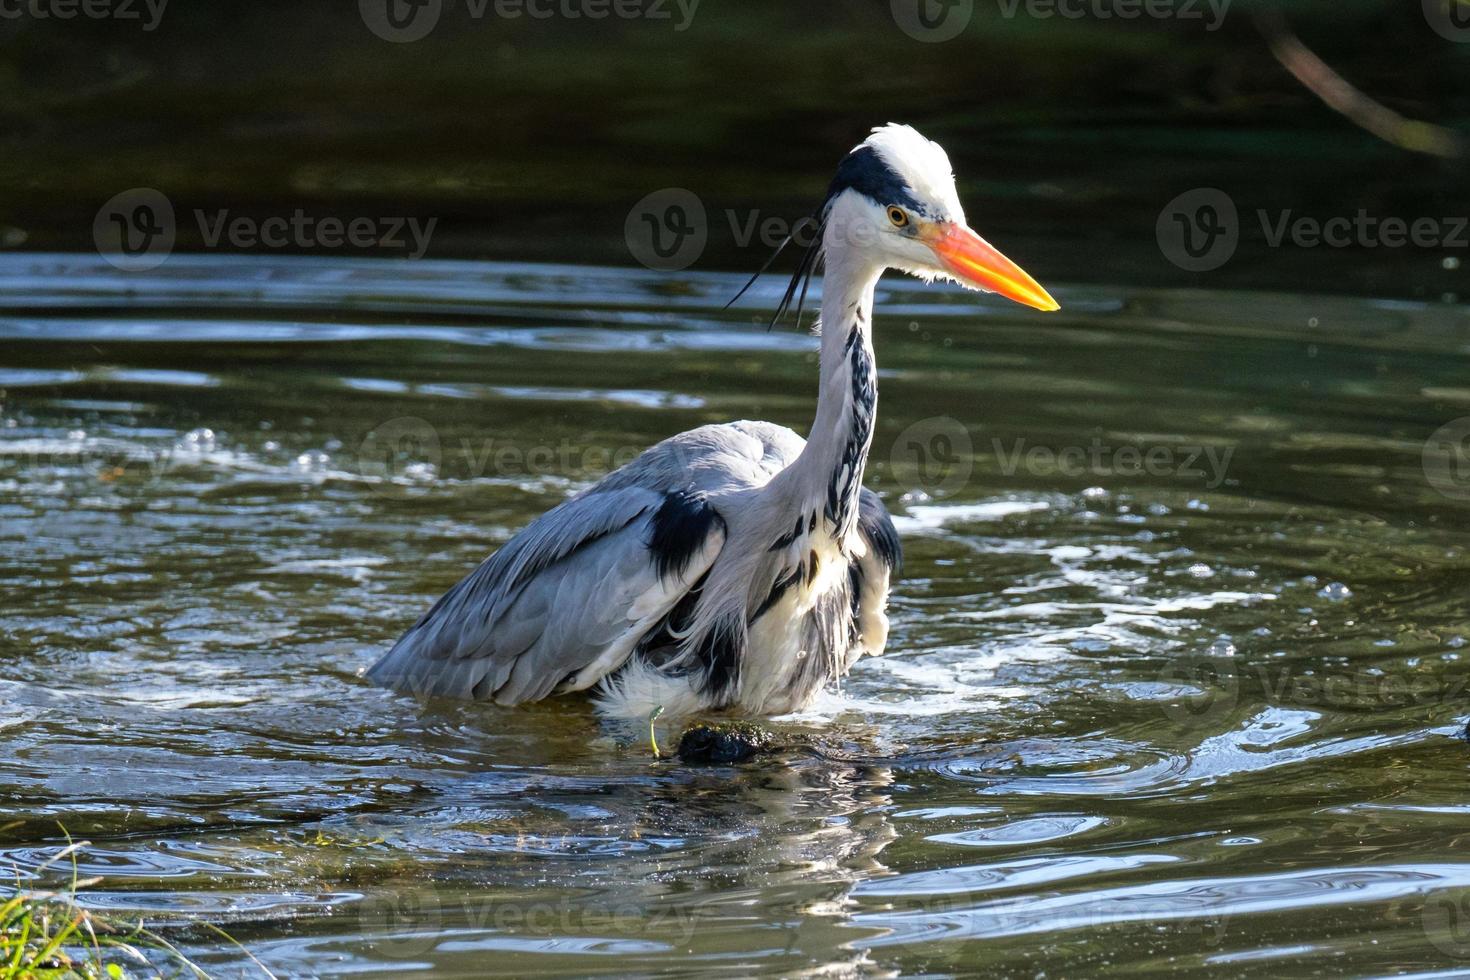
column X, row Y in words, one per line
column 788, row 660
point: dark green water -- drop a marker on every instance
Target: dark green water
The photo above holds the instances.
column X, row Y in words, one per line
column 1177, row 668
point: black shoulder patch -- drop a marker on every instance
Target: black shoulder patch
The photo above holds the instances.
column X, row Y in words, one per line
column 680, row 526
column 864, row 171
column 877, row 527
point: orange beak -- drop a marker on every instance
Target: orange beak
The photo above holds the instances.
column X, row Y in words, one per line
column 975, row 262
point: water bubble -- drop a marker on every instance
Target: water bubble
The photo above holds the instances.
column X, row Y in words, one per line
column 1199, row 505
column 1222, row 647
column 1200, row 570
column 1450, row 263
column 1335, row 591
column 77, row 435
column 419, row 471
column 271, row 446
column 1385, row 642
column 1455, row 641
column 311, row 461
column 332, row 445
column 201, row 440
column 1158, row 510
column 1094, row 493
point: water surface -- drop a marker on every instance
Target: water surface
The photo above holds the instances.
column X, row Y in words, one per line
column 1176, row 673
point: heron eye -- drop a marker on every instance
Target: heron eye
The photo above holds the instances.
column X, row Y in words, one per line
column 897, row 216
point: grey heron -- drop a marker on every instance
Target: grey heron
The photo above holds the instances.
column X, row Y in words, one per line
column 733, row 568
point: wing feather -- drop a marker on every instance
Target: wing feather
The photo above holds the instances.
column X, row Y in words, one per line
column 566, row 600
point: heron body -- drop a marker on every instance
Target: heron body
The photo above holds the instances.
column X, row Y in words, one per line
column 732, row 568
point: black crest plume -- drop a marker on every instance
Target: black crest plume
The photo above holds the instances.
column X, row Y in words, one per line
column 802, row 277
column 863, row 170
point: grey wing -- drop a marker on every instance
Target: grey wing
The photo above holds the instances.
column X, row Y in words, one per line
column 566, row 600
column 873, row 571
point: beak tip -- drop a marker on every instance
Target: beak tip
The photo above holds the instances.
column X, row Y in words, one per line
column 975, row 263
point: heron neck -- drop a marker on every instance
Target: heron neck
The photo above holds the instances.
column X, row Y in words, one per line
column 836, row 451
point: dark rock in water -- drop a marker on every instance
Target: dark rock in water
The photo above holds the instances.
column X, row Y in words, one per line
column 724, row 744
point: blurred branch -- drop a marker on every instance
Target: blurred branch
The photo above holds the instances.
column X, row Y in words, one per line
column 1340, row 94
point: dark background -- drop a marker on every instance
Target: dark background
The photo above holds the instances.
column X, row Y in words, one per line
column 530, row 139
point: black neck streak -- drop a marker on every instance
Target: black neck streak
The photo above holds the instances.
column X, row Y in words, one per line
column 846, row 481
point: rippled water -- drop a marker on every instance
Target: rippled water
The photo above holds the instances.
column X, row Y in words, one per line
column 1175, row 681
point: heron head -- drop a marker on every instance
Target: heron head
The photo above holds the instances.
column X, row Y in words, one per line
column 893, row 201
